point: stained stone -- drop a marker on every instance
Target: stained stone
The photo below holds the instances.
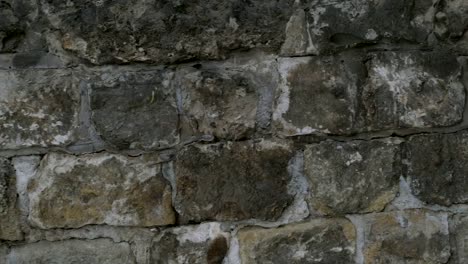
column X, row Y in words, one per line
column 458, row 238
column 96, row 251
column 203, row 244
column 134, row 109
column 412, row 237
column 318, row 94
column 166, row 31
column 37, row 108
column 232, row 181
column 10, row 228
column 413, row 90
column 221, row 99
column 352, row 177
column 436, row 167
column 73, row 191
column 316, row 241
column 345, row 94
column 324, row 26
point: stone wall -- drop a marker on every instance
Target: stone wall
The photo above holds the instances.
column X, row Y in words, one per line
column 237, row 131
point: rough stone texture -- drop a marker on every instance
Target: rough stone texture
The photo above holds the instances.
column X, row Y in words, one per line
column 324, row 26
column 352, row 177
column 166, row 31
column 451, row 24
column 458, row 238
column 134, row 109
column 221, row 99
column 37, row 108
column 10, row 228
column 412, row 237
column 413, row 90
column 316, row 241
column 345, row 94
column 233, row 181
column 98, row 251
column 101, row 188
column 204, row 244
column 318, row 95
column 436, row 167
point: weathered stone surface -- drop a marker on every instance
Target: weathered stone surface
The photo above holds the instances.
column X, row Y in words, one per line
column 412, row 237
column 134, row 109
column 10, row 228
column 16, row 16
column 97, row 251
column 71, row 191
column 352, row 177
column 451, row 24
column 324, row 26
column 203, row 244
column 458, row 238
column 221, row 99
column 166, row 31
column 316, row 241
column 37, row 108
column 318, row 94
column 436, row 167
column 413, row 90
column 232, row 181
column 343, row 94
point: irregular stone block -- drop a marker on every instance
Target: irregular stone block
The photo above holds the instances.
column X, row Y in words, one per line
column 343, row 94
column 166, row 32
column 318, row 94
column 205, row 243
column 436, row 167
column 325, row 26
column 352, row 177
column 221, row 99
column 232, row 181
column 451, row 20
column 134, row 109
column 71, row 191
column 413, row 237
column 96, row 251
column 459, row 238
column 37, row 108
column 10, row 228
column 316, row 241
column 413, row 90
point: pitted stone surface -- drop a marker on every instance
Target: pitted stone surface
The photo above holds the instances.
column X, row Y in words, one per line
column 324, row 26
column 413, row 90
column 134, row 109
column 436, row 167
column 319, row 94
column 10, row 228
column 233, row 181
column 458, row 238
column 97, row 251
column 203, row 244
column 37, row 108
column 221, row 99
column 345, row 94
column 72, row 191
column 413, row 237
column 164, row 32
column 352, row 177
column 316, row 241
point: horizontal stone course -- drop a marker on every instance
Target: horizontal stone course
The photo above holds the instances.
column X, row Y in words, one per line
column 354, row 93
